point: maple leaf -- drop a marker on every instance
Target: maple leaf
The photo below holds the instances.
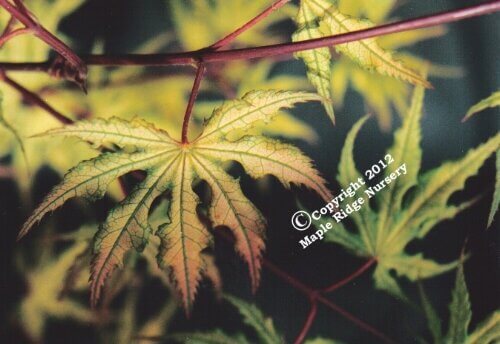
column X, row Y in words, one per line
column 320, row 18
column 492, row 101
column 173, row 166
column 384, row 234
column 485, row 332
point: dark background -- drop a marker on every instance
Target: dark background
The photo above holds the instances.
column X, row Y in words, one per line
column 471, row 44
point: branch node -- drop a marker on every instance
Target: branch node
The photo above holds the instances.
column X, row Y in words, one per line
column 61, row 68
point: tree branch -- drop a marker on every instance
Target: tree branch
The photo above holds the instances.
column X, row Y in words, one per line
column 209, row 56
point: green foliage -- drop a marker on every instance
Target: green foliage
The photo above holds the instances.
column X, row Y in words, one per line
column 490, row 102
column 173, row 165
column 460, row 310
column 254, row 318
column 384, row 232
column 460, row 315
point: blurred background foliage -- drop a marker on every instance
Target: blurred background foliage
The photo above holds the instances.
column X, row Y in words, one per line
column 139, row 301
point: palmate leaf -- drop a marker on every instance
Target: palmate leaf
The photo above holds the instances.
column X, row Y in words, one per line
column 320, row 18
column 486, row 332
column 385, row 233
column 174, row 166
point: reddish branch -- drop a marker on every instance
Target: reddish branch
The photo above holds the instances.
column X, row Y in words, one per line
column 208, row 55
column 315, row 295
column 309, row 321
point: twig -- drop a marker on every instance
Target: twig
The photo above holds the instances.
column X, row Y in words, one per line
column 208, row 56
column 233, row 35
column 349, row 278
column 316, row 295
column 309, row 321
column 13, row 33
column 35, row 99
column 192, row 97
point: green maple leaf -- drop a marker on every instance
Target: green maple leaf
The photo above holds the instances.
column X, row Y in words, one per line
column 174, row 166
column 485, row 332
column 384, row 234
